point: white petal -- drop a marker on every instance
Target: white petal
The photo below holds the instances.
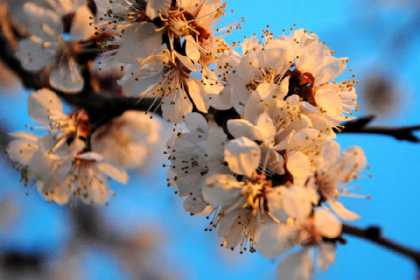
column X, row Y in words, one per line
column 328, row 99
column 266, row 126
column 24, row 136
column 332, row 68
column 66, row 76
column 154, row 7
column 272, row 239
column 299, row 165
column 352, row 162
column 298, row 266
column 243, row 128
column 21, row 151
column 196, row 121
column 113, row 172
column 342, row 211
column 326, row 223
column 81, row 28
column 198, row 95
column 43, row 104
column 138, row 42
column 90, row 156
column 297, row 202
column 176, row 106
column 33, row 55
column 265, row 89
column 243, row 156
column 38, row 15
column 326, row 255
column 221, row 190
column 186, row 61
column 195, row 204
column 191, row 48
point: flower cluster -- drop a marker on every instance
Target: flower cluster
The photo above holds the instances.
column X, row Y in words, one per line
column 270, row 174
column 254, row 146
column 72, row 159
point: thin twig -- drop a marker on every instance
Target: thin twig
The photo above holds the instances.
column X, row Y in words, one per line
column 374, row 234
column 361, row 126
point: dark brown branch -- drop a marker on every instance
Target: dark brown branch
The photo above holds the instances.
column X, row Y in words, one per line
column 374, row 234
column 361, row 126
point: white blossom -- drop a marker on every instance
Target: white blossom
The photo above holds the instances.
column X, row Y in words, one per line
column 52, row 47
column 60, row 163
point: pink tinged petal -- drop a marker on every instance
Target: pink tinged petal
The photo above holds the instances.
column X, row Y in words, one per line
column 43, row 104
column 243, row 156
column 191, row 48
column 342, row 211
column 326, row 255
column 154, row 7
column 113, row 172
column 196, row 122
column 33, row 55
column 198, row 95
column 65, row 76
column 176, row 106
column 298, row 266
column 139, row 41
column 327, row 223
column 243, row 128
column 222, row 190
column 81, row 28
column 297, row 202
column 272, row 239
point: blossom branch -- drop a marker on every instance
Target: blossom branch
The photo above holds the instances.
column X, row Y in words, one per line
column 361, row 125
column 374, row 234
column 100, row 107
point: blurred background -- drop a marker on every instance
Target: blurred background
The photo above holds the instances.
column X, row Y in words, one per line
column 144, row 232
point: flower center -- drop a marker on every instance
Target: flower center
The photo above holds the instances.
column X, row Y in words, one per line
column 301, row 84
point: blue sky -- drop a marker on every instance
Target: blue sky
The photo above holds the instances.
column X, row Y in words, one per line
column 347, row 27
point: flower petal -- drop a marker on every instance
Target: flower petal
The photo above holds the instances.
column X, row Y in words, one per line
column 113, row 172
column 243, row 156
column 221, row 190
column 272, row 239
column 327, row 223
column 198, row 95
